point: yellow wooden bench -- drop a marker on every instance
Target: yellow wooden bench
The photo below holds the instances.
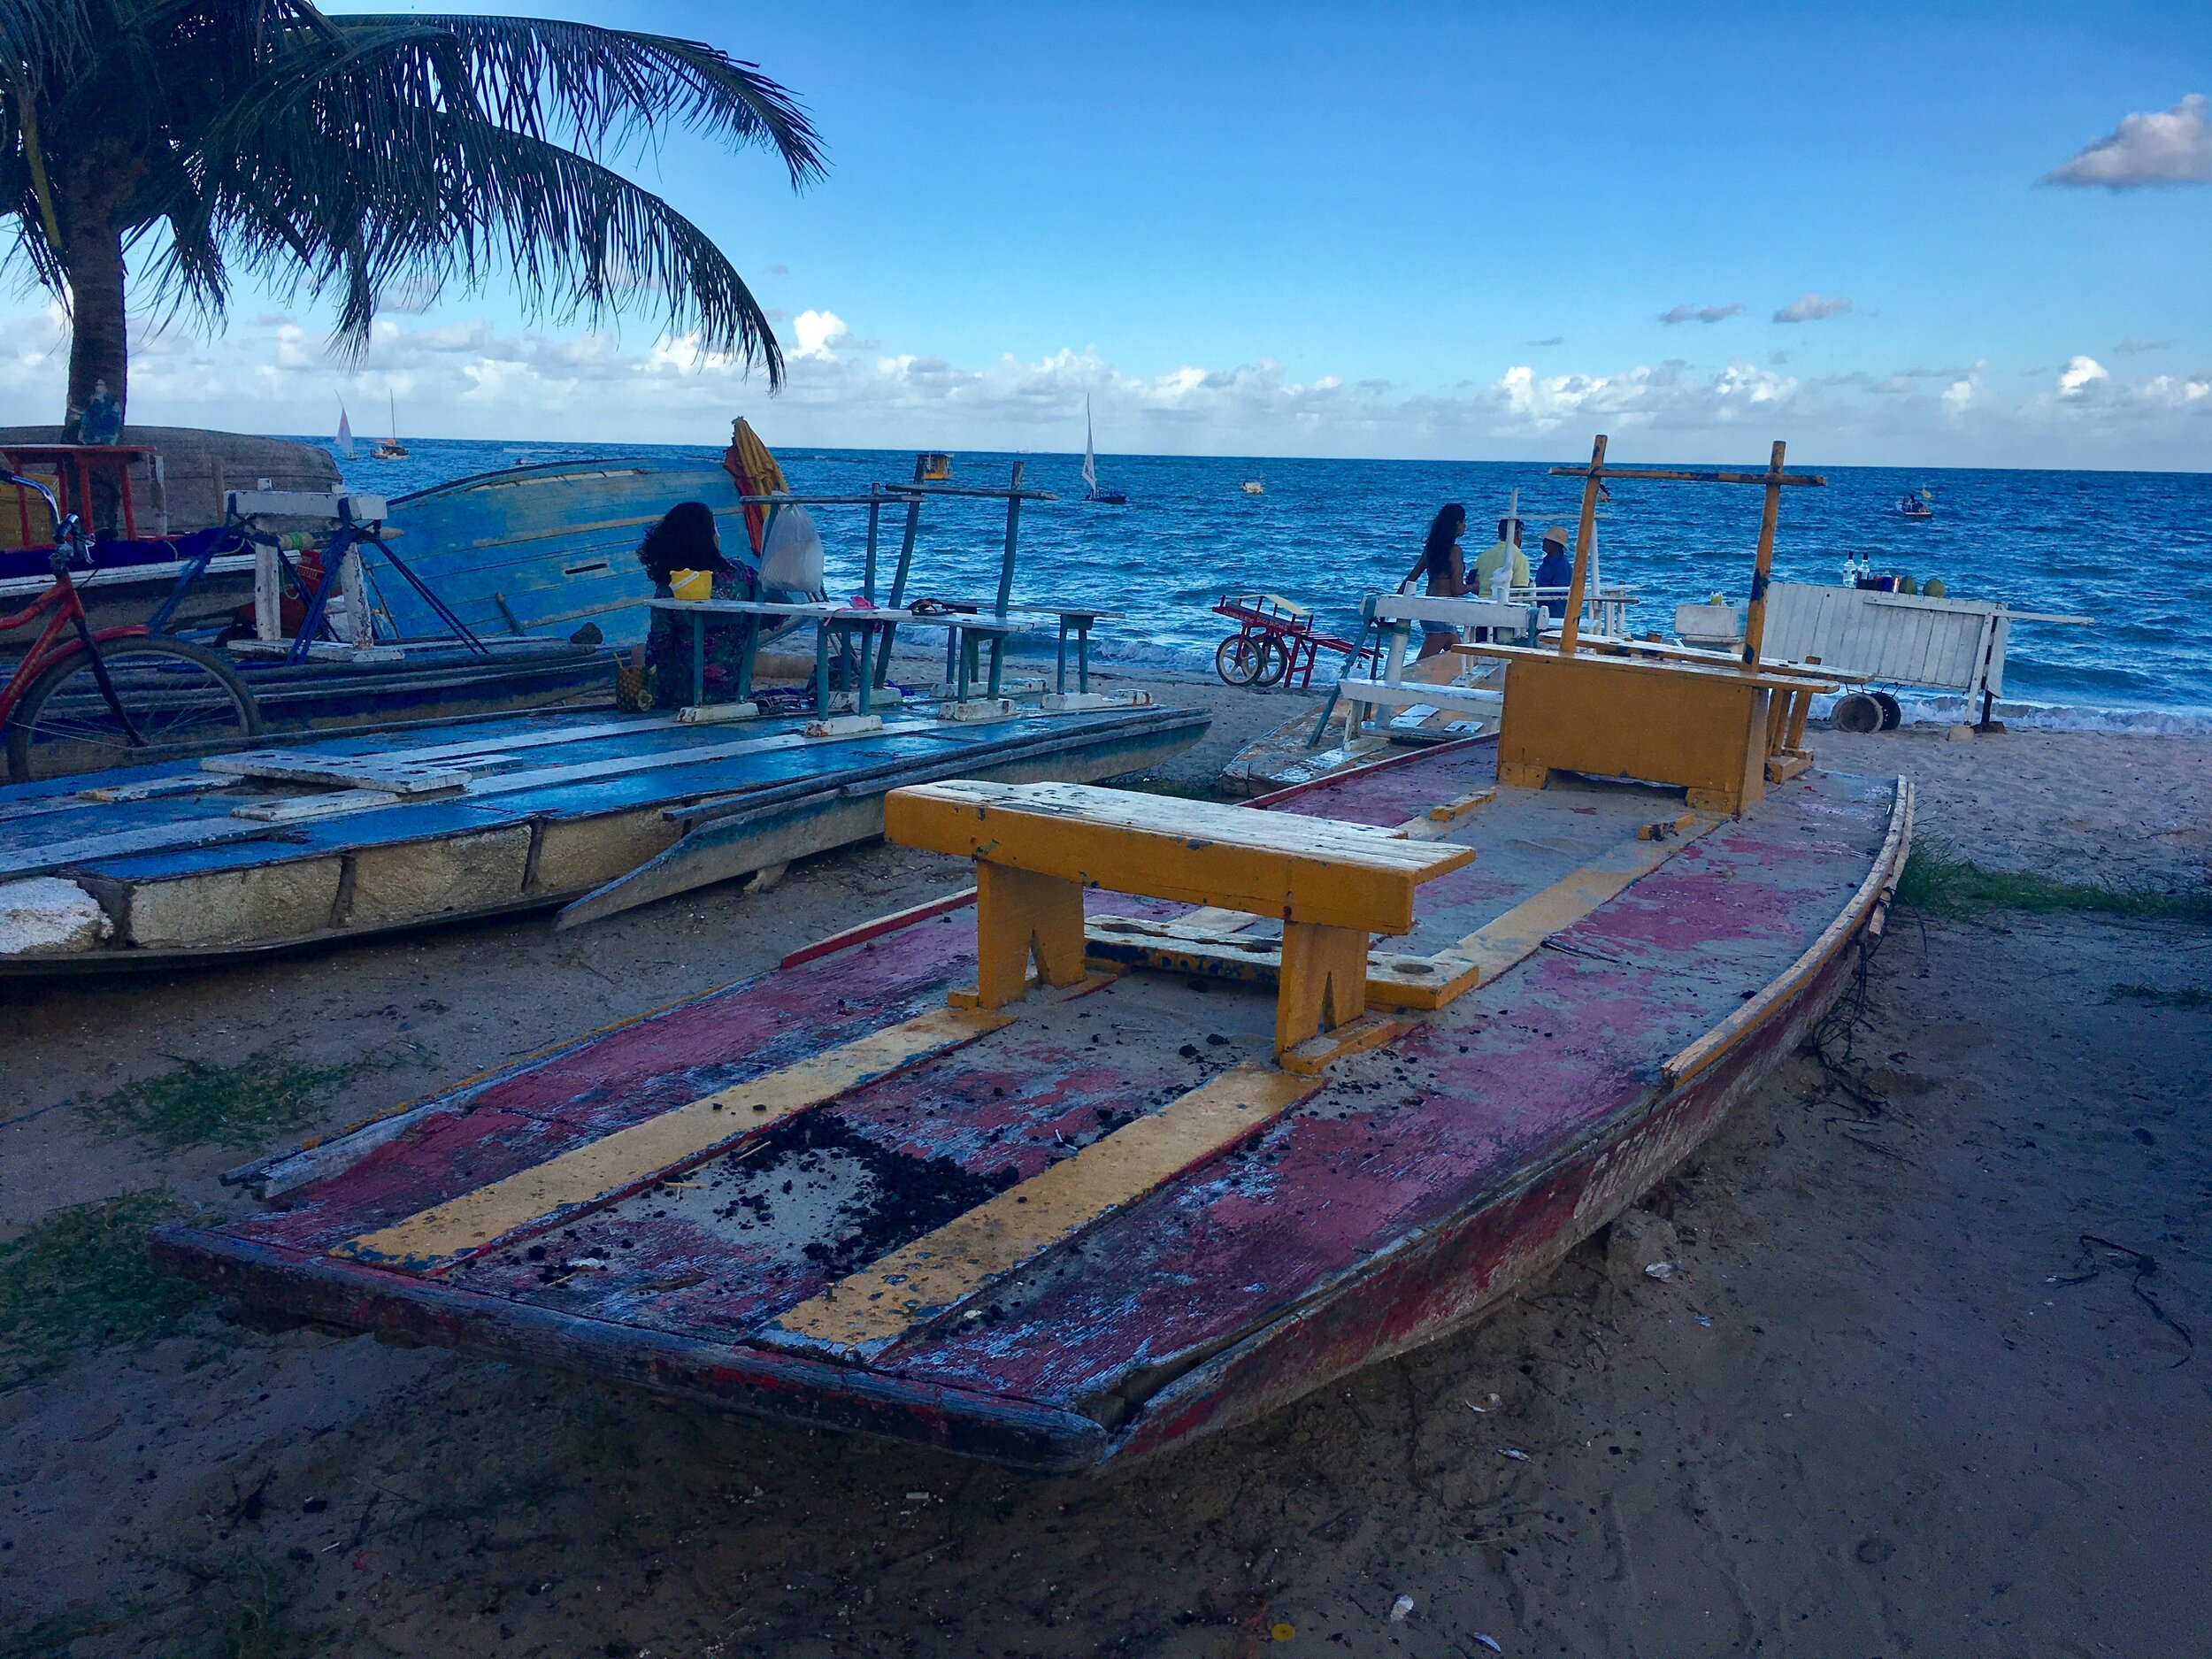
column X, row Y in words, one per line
column 1037, row 845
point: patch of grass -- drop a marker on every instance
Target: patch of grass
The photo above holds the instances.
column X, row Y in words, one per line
column 50, row 1638
column 1940, row 882
column 82, row 1278
column 244, row 1105
column 2158, row 997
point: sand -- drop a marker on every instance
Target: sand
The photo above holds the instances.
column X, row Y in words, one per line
column 1864, row 1420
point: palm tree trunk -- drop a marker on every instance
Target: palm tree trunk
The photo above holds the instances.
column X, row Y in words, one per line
column 99, row 340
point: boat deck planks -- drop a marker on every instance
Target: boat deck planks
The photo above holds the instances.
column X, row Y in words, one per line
column 536, row 809
column 1160, row 1295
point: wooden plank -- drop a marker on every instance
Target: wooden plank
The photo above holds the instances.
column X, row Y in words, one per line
column 1498, row 944
column 1394, row 980
column 362, row 771
column 947, row 1267
column 292, row 808
column 1880, row 882
column 617, row 1162
column 1305, row 870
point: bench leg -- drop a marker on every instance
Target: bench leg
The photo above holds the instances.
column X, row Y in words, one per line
column 1324, row 982
column 1019, row 914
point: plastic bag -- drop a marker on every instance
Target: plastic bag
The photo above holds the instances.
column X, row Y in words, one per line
column 792, row 555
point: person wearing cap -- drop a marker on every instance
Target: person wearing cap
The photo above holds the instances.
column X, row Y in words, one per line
column 1494, row 557
column 1556, row 569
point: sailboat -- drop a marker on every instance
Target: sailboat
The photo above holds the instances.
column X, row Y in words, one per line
column 391, row 449
column 344, row 443
column 1105, row 497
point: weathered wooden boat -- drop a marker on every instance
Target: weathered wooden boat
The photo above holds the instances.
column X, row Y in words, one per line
column 156, row 867
column 541, row 550
column 881, row 1189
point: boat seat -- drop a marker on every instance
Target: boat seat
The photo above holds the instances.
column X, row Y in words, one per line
column 1037, row 845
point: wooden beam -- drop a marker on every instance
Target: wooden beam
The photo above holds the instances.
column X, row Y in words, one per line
column 1687, row 476
column 941, row 1270
column 615, row 1163
column 1755, row 625
column 1571, row 626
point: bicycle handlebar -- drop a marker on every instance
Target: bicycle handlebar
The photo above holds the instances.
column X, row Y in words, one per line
column 70, row 541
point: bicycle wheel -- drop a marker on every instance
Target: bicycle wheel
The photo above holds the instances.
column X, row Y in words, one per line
column 179, row 698
column 1274, row 662
column 1239, row 659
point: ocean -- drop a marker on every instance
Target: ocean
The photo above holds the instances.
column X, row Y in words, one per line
column 2132, row 552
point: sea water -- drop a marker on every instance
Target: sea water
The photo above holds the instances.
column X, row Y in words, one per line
column 2130, row 551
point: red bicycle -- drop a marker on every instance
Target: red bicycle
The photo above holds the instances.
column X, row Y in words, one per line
column 81, row 700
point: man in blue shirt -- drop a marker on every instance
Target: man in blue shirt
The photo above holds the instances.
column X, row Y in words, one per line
column 1557, row 570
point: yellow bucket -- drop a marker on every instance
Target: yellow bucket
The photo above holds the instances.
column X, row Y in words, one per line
column 693, row 585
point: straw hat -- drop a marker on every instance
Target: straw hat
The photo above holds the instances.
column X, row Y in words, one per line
column 1556, row 534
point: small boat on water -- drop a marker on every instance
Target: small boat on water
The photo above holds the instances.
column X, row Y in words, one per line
column 1222, row 1148
column 1255, row 486
column 389, row 449
column 1917, row 506
column 1092, row 492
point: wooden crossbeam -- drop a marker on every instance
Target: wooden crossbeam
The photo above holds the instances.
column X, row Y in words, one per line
column 936, row 1273
column 619, row 1163
column 1688, row 475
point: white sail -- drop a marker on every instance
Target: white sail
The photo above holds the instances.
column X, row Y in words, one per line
column 1090, row 455
column 345, row 434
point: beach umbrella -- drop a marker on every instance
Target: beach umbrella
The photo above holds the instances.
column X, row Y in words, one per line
column 748, row 462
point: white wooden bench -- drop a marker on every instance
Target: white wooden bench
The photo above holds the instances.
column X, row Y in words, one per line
column 1396, row 614
column 1037, row 845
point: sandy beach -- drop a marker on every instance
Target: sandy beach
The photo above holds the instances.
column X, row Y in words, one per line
column 1894, row 1404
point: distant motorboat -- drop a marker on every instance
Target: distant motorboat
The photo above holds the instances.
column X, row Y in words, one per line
column 1104, row 497
column 1255, row 486
column 1917, row 506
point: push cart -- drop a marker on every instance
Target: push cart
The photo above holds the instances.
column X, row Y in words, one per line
column 1275, row 643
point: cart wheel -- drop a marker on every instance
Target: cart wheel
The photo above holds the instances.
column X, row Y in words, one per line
column 1274, row 662
column 1893, row 713
column 1857, row 712
column 1238, row 659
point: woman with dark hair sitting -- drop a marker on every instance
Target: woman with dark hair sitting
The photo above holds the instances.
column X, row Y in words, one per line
column 686, row 540
column 1446, row 569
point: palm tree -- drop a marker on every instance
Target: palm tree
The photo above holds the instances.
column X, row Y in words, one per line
column 350, row 155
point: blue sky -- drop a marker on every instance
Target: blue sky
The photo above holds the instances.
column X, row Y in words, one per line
column 1441, row 231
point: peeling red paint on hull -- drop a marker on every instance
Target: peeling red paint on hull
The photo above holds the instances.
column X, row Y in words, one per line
column 1422, row 1183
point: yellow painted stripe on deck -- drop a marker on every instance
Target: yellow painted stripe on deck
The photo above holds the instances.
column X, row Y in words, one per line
column 1497, row 945
column 941, row 1268
column 629, row 1156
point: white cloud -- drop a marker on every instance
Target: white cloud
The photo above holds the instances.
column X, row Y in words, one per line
column 2168, row 146
column 410, row 298
column 1700, row 313
column 472, row 378
column 2079, row 374
column 1812, row 308
column 818, row 333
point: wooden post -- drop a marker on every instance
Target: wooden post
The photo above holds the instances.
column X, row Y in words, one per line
column 868, row 569
column 898, row 576
column 268, row 594
column 1006, row 573
column 1570, row 628
column 1019, row 914
column 355, row 592
column 1755, row 620
column 1322, row 983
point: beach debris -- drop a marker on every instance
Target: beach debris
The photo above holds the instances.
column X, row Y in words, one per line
column 1705, row 1319
column 917, row 1497
column 1402, row 1609
column 1513, row 1452
column 2143, row 1264
column 1490, row 1642
column 1471, row 1406
column 1282, row 1630
column 1637, row 1244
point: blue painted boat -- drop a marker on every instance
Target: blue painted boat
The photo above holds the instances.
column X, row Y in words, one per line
column 541, row 551
column 346, row 836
